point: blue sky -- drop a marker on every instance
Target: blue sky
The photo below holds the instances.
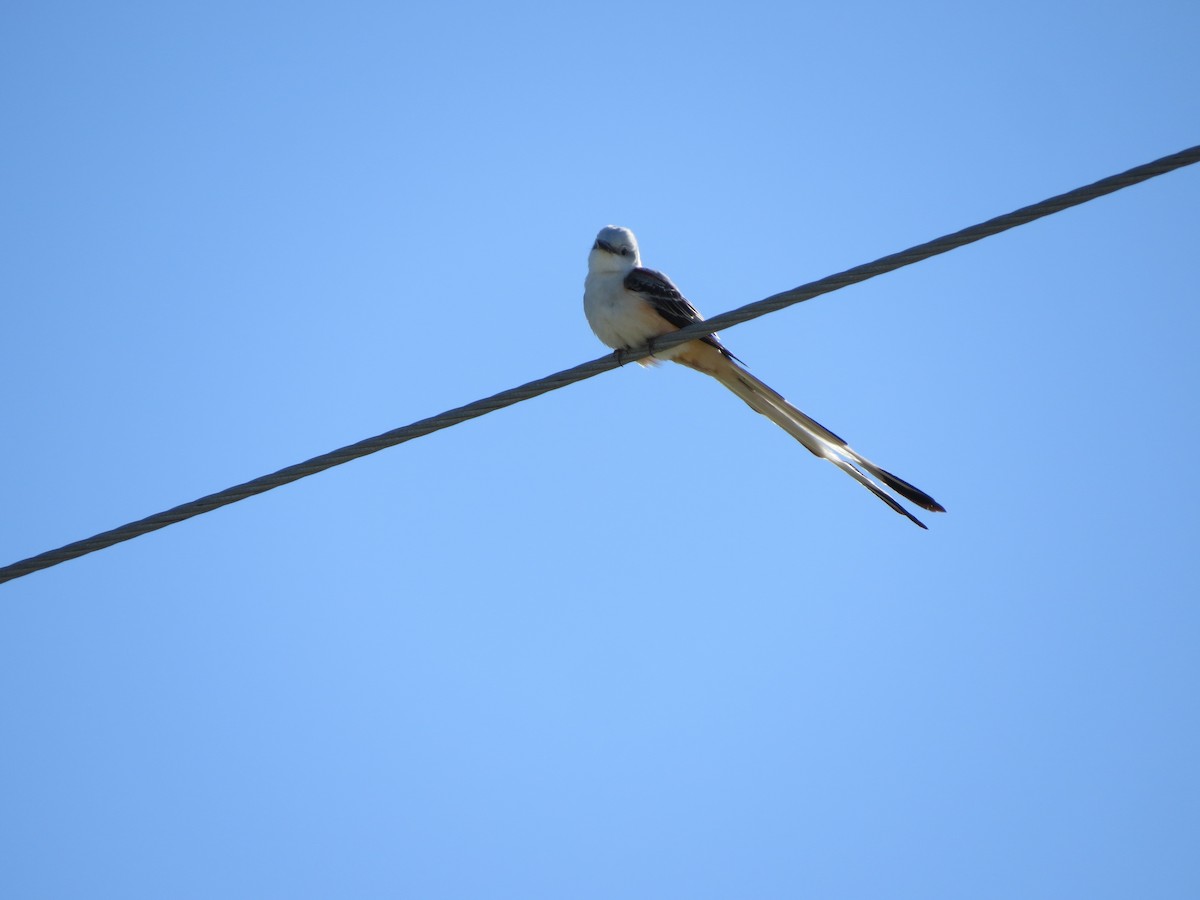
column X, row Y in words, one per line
column 626, row 639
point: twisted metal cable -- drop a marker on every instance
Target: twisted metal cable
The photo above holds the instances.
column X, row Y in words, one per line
column 602, row 364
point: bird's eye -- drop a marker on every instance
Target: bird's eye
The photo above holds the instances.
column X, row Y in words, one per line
column 624, row 251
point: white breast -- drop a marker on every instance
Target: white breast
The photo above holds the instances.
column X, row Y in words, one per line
column 620, row 318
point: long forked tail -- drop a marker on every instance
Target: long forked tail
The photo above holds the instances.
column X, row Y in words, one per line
column 818, row 439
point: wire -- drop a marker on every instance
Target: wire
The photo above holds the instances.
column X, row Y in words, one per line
column 602, row 364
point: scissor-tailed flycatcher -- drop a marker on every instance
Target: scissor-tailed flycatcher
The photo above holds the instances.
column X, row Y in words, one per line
column 628, row 306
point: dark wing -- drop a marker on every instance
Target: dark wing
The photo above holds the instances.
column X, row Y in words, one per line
column 668, row 302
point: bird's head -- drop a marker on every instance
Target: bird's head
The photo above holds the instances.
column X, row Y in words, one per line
column 615, row 250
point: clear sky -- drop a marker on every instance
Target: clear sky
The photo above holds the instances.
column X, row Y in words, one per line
column 627, row 639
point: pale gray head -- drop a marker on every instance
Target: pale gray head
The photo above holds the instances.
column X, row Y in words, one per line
column 615, row 250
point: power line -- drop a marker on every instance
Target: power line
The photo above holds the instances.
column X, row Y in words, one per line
column 603, row 364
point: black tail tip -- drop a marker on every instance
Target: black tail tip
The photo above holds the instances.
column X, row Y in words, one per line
column 910, row 493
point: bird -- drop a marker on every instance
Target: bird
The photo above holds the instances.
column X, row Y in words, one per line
column 628, row 306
